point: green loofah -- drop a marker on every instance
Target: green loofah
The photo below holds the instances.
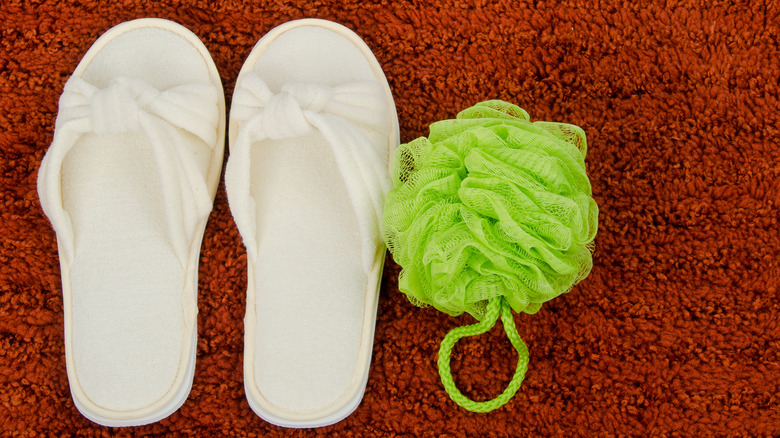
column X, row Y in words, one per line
column 488, row 213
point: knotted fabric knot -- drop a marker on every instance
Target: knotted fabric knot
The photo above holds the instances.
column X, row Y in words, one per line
column 310, row 96
column 117, row 107
column 121, row 106
column 295, row 110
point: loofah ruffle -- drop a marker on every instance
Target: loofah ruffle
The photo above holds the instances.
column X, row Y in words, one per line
column 491, row 205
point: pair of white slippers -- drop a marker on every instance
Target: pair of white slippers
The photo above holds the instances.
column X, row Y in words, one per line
column 128, row 184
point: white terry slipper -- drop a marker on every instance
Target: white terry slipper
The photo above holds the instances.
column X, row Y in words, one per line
column 128, row 184
column 312, row 127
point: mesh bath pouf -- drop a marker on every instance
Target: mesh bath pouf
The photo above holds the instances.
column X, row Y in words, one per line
column 491, row 213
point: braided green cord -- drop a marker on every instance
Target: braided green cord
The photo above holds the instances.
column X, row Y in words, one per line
column 496, row 306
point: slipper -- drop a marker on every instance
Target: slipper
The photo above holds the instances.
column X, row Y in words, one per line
column 312, row 127
column 128, row 184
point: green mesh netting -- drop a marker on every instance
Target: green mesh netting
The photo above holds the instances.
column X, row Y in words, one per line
column 490, row 213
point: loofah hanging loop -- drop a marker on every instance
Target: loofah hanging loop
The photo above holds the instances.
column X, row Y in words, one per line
column 491, row 213
column 496, row 306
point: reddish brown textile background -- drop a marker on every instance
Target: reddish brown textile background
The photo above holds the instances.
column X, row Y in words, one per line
column 676, row 331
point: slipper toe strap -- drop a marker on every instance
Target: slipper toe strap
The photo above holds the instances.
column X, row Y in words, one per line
column 166, row 117
column 343, row 114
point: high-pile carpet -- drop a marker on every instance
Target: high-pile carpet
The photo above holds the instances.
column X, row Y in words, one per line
column 675, row 333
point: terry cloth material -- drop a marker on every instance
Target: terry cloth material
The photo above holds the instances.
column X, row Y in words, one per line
column 127, row 184
column 673, row 333
column 312, row 127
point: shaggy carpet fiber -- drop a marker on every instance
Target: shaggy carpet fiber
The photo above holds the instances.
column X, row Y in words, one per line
column 675, row 332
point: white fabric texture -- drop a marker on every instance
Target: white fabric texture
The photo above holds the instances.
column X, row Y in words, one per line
column 127, row 184
column 129, row 105
column 312, row 126
column 338, row 114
